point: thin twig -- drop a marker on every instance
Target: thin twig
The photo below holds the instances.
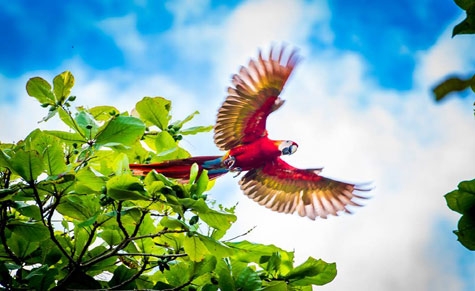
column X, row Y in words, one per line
column 165, row 256
column 241, row 235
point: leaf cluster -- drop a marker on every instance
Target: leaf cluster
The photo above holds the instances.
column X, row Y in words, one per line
column 462, row 200
column 72, row 215
column 466, row 26
column 453, row 84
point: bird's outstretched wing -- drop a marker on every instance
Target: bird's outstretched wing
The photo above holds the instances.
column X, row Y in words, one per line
column 287, row 189
column 252, row 97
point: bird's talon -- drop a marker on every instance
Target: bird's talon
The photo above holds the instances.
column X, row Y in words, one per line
column 229, row 162
column 238, row 171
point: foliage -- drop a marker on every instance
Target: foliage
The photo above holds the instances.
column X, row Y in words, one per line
column 467, row 26
column 458, row 83
column 73, row 216
column 453, row 84
column 462, row 200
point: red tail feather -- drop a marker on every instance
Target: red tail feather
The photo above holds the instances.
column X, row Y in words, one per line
column 177, row 169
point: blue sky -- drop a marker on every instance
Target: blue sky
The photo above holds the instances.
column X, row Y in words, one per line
column 358, row 104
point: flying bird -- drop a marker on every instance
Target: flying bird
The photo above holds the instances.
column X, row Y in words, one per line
column 240, row 130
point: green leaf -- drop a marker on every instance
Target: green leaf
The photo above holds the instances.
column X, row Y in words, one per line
column 66, row 118
column 193, row 173
column 463, row 199
column 450, row 85
column 312, row 271
column 213, row 218
column 217, row 248
column 126, row 187
column 81, row 238
column 103, row 113
column 50, row 149
column 164, row 142
column 87, row 182
column 155, row 111
column 31, row 211
column 196, row 129
column 62, row 85
column 121, row 130
column 80, row 208
column 21, row 246
column 207, row 265
column 173, row 223
column 273, row 262
column 466, row 231
column 27, row 164
column 467, row 26
column 42, row 278
column 195, row 248
column 41, row 90
column 464, row 4
column 179, row 123
column 254, row 252
column 225, row 279
column 67, row 136
column 32, row 231
column 87, row 124
column 248, row 280
column 275, row 286
column 50, row 253
column 4, row 159
column 179, row 273
column 202, row 184
column 121, row 274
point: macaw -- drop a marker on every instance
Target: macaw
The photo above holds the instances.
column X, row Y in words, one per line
column 240, row 130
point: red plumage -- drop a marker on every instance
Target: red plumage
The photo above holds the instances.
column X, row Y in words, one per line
column 177, row 169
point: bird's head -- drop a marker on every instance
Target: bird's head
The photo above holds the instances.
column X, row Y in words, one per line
column 288, row 147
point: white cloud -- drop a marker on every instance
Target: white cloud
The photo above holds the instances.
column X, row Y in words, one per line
column 124, row 31
column 183, row 10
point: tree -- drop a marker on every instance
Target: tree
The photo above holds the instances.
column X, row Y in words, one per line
column 462, row 200
column 72, row 216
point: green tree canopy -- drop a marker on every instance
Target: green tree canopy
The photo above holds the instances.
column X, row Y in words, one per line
column 72, row 215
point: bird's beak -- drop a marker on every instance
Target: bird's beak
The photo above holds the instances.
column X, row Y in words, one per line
column 290, row 149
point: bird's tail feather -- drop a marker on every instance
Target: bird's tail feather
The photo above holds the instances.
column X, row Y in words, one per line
column 180, row 169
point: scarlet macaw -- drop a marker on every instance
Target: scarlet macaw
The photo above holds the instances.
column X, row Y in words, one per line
column 241, row 131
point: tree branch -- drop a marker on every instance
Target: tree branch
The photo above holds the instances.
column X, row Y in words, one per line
column 50, row 227
column 3, row 224
column 119, row 221
column 88, row 242
column 132, row 278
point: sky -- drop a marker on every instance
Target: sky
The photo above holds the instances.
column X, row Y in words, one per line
column 359, row 105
